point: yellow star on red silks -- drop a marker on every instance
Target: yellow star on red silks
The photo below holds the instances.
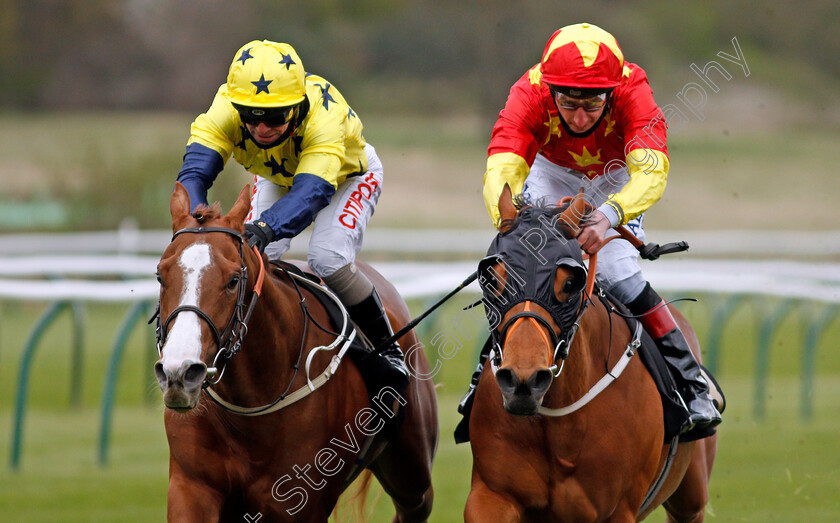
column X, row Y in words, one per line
column 553, row 125
column 585, row 159
column 610, row 124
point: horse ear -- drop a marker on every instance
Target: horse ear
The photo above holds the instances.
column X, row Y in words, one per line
column 568, row 221
column 179, row 206
column 507, row 209
column 240, row 209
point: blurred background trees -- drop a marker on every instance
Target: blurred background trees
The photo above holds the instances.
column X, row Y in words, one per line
column 96, row 97
column 423, row 56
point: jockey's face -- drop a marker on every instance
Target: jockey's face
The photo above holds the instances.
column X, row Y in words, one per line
column 265, row 134
column 580, row 114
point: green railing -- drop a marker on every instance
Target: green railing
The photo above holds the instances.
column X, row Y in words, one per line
column 136, row 312
column 816, row 317
column 43, row 323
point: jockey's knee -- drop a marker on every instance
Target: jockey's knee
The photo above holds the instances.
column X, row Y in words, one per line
column 626, row 289
column 619, row 272
column 348, row 283
column 325, row 261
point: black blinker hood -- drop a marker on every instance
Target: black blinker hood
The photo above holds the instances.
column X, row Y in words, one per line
column 531, row 252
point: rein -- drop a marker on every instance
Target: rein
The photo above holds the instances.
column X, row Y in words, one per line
column 605, row 380
column 284, row 400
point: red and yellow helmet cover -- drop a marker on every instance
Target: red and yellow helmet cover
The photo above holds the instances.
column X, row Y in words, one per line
column 583, row 56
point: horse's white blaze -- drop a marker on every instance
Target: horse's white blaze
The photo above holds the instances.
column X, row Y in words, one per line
column 183, row 342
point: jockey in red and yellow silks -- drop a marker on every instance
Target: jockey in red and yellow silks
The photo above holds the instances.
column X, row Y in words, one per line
column 631, row 133
column 584, row 119
column 303, row 142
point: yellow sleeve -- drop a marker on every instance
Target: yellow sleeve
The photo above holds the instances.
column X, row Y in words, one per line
column 648, row 171
column 323, row 147
column 503, row 168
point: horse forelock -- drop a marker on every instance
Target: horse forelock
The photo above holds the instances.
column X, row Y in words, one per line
column 205, row 214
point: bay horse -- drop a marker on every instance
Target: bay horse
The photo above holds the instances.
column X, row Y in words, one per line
column 547, row 446
column 252, row 432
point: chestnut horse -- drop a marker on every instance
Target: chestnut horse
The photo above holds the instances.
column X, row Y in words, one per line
column 232, row 332
column 535, row 459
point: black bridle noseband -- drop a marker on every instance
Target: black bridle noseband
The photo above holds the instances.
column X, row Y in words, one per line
column 230, row 339
column 561, row 342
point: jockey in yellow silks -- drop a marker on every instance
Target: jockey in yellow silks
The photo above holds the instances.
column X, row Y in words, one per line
column 304, row 144
column 584, row 118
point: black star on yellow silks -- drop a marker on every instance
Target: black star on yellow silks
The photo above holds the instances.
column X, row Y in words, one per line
column 351, row 114
column 246, row 54
column 278, row 168
column 327, row 97
column 297, row 141
column 262, row 84
column 287, row 60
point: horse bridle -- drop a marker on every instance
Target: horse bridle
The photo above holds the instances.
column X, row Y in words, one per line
column 229, row 340
column 561, row 344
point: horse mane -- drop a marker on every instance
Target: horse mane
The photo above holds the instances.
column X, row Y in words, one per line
column 522, row 202
column 205, row 214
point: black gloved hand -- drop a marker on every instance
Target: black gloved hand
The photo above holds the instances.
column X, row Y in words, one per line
column 259, row 234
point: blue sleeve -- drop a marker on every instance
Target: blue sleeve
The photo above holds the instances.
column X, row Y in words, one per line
column 201, row 166
column 295, row 211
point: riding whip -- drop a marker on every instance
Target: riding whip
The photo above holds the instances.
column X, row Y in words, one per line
column 413, row 323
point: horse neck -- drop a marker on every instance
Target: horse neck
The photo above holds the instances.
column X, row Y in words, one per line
column 264, row 366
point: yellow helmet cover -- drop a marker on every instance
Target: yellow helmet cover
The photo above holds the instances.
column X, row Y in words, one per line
column 265, row 74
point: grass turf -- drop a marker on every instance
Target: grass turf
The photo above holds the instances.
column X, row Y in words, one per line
column 776, row 469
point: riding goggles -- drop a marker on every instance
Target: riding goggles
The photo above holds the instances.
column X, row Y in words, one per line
column 271, row 116
column 590, row 104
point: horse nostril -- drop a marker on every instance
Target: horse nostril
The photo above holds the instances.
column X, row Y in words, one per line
column 507, row 380
column 160, row 374
column 195, row 374
column 540, row 380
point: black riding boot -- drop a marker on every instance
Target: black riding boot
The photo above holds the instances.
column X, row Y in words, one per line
column 692, row 386
column 370, row 317
column 467, row 400
column 462, row 430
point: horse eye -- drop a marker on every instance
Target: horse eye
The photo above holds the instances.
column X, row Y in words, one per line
column 491, row 282
column 159, row 279
column 233, row 283
column 569, row 285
